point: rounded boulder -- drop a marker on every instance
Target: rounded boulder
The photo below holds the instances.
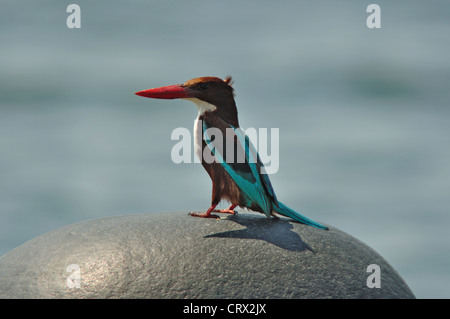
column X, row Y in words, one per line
column 173, row 255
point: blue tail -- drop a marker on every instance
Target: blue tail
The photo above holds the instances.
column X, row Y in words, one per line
column 288, row 212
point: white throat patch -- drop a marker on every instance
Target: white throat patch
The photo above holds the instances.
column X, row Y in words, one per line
column 202, row 105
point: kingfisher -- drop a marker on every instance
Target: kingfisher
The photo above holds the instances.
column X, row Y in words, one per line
column 226, row 153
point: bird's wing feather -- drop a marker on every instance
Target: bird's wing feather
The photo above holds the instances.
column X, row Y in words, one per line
column 247, row 172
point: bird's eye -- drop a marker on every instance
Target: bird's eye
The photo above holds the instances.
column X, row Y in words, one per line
column 203, row 86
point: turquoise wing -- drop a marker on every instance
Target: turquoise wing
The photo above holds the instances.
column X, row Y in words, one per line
column 247, row 172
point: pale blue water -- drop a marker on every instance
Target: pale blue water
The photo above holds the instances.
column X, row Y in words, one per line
column 363, row 115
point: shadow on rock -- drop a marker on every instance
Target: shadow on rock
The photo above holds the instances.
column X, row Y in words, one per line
column 275, row 231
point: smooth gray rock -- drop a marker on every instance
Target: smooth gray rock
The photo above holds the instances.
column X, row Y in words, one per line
column 173, row 255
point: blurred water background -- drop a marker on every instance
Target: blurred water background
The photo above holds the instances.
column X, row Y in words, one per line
column 363, row 114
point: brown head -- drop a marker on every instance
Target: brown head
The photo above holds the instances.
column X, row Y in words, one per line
column 210, row 94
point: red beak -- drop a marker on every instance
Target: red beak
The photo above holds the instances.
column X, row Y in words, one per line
column 167, row 92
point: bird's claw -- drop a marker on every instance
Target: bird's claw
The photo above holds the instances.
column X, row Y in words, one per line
column 226, row 211
column 203, row 215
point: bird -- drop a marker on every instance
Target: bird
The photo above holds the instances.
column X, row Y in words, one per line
column 235, row 169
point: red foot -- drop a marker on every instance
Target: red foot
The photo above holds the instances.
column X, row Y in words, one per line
column 204, row 215
column 229, row 210
column 208, row 214
column 225, row 211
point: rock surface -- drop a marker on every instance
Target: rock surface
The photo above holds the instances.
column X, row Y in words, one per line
column 173, row 255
